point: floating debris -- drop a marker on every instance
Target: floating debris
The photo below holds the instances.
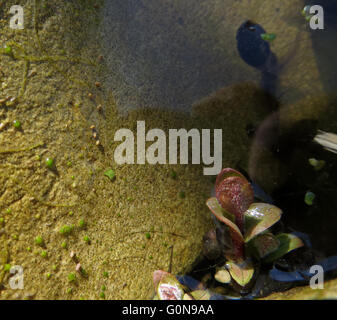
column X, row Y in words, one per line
column 306, row 13
column 327, row 140
column 268, row 36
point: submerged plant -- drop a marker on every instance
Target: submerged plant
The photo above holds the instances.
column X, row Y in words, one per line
column 243, row 237
column 242, row 242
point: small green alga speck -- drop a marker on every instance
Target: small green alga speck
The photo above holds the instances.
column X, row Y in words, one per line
column 7, row 267
column 39, row 240
column 110, row 174
column 309, row 198
column 8, row 50
column 71, row 277
column 182, row 195
column 81, row 223
column 17, row 124
column 65, row 230
column 50, row 163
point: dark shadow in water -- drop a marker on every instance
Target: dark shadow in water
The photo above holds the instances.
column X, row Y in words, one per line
column 325, row 45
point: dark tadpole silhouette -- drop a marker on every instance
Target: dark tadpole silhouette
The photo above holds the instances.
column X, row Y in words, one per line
column 256, row 52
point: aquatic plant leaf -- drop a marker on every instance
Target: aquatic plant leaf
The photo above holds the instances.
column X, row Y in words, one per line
column 201, row 294
column 187, row 296
column 234, row 193
column 259, row 217
column 226, row 173
column 110, row 174
column 265, row 244
column 288, row 242
column 167, row 286
column 224, row 217
column 157, row 276
column 222, row 276
column 242, row 272
column 304, row 237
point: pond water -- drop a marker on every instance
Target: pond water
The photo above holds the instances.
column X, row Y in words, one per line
column 77, row 73
column 171, row 54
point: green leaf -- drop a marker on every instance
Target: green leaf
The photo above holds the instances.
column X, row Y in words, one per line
column 226, row 218
column 187, row 296
column 242, row 273
column 110, row 174
column 265, row 244
column 200, row 294
column 259, row 217
column 222, row 276
column 288, row 242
